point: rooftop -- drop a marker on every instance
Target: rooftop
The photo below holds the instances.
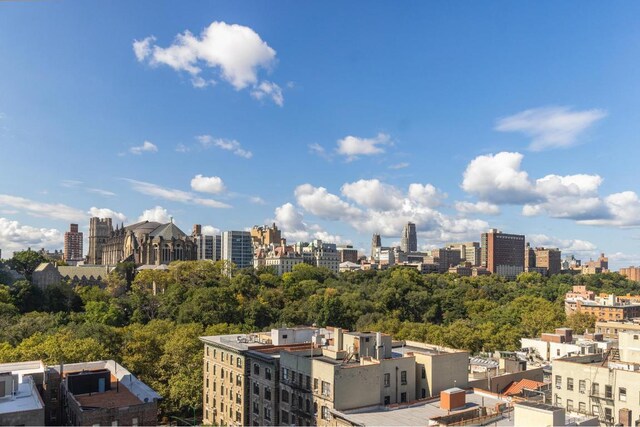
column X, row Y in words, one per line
column 419, row 413
column 117, row 397
column 26, row 398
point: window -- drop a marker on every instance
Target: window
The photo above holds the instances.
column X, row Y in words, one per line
column 608, row 392
column 622, row 394
column 582, row 385
column 569, row 405
column 267, row 413
column 238, row 416
column 256, row 389
column 238, row 380
column 635, row 337
column 267, row 373
column 284, row 417
column 424, row 393
column 558, row 400
column 582, row 407
column 231, row 359
column 285, row 374
column 214, row 386
column 267, row 393
column 387, row 380
column 326, row 388
column 231, row 377
column 239, row 362
column 238, row 398
column 256, row 369
column 307, row 406
column 222, row 373
column 403, row 377
column 315, row 384
column 285, row 396
column 307, row 382
column 570, row 384
column 558, row 352
column 403, row 397
column 325, row 413
column 595, row 410
column 608, row 413
column 207, row 366
column 424, row 372
column 256, row 408
column 558, row 381
column 595, row 389
column 387, row 400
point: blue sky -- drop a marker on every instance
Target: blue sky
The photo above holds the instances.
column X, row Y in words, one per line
column 335, row 119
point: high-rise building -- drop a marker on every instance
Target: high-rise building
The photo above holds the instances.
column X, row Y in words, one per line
column 207, row 246
column 631, row 273
column 376, row 243
column 237, row 247
column 409, row 241
column 73, row 245
column 503, row 253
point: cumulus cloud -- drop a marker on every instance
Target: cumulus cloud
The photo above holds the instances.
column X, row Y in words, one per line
column 373, row 194
column 107, row 213
column 17, row 237
column 565, row 245
column 291, row 222
column 372, row 214
column 318, row 201
column 155, row 214
column 226, row 144
column 172, row 194
column 207, row 184
column 550, row 127
column 230, row 52
column 39, row 209
column 623, row 211
column 146, row 147
column 497, row 178
column 483, row 208
column 353, row 146
column 210, row 230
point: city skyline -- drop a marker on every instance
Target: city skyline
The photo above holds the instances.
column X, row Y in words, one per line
column 457, row 120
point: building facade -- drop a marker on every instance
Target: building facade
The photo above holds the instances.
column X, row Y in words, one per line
column 347, row 253
column 237, row 247
column 73, row 251
column 503, row 253
column 631, row 273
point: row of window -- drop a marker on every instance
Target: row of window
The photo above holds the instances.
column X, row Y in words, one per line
column 582, row 408
column 267, row 371
column 267, row 391
column 595, row 388
column 224, row 357
column 403, row 378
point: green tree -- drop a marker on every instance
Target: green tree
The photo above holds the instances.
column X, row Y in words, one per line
column 25, row 262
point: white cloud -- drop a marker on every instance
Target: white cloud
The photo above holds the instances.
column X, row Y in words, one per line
column 256, row 200
column 291, row 222
column 46, row 210
column 318, row 201
column 497, row 178
column 373, row 194
column 319, row 150
column 400, row 165
column 387, row 217
column 210, row 230
column 425, row 195
column 483, row 208
column 70, row 183
column 234, row 53
column 107, row 213
column 207, row 184
column 565, row 245
column 226, row 144
column 155, row 214
column 181, row 148
column 550, row 127
column 269, row 90
column 16, row 237
column 146, row 147
column 353, row 146
column 172, row 194
column 623, row 211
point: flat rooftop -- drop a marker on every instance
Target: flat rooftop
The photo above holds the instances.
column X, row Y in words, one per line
column 239, row 342
column 119, row 396
column 26, row 399
column 418, row 413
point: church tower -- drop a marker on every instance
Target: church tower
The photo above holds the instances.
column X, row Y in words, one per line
column 99, row 231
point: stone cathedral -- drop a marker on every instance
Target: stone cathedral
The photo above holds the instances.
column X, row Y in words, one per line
column 145, row 242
